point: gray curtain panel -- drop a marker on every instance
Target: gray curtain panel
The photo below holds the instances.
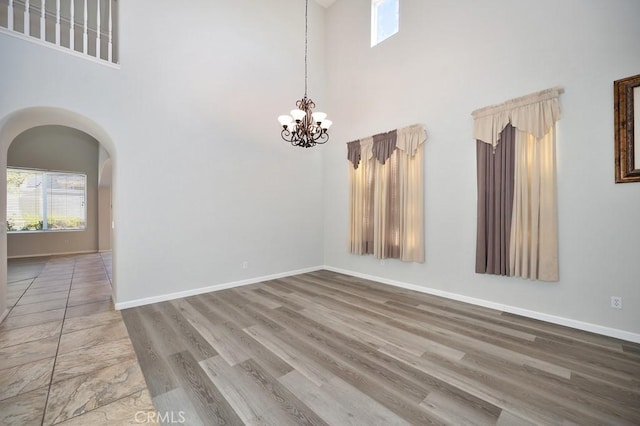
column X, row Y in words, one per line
column 495, row 203
column 353, row 153
column 384, row 144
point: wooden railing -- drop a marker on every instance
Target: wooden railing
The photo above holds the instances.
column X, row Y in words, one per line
column 87, row 27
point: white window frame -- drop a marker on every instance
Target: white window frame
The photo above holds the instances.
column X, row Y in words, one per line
column 43, row 202
column 375, row 6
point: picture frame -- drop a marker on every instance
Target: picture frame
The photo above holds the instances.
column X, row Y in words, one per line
column 626, row 94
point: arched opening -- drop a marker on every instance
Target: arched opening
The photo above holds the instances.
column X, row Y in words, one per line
column 16, row 123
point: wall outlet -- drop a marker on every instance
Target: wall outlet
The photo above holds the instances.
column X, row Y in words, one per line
column 616, row 302
column 245, row 264
column 382, row 262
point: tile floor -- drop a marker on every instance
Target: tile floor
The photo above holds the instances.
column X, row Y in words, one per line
column 65, row 354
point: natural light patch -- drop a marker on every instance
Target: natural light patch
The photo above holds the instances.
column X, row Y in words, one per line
column 385, row 19
column 45, row 201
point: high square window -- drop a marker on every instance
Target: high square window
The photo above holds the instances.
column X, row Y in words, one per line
column 385, row 19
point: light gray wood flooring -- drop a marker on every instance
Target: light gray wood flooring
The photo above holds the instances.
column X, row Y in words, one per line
column 325, row 348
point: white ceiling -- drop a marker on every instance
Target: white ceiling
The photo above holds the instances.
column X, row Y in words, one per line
column 325, row 3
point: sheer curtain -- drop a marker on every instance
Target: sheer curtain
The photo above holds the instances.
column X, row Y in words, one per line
column 387, row 195
column 517, row 231
column 534, row 231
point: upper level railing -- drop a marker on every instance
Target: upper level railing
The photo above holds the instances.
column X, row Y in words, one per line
column 84, row 27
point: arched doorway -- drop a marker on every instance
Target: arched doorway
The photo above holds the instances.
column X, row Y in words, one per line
column 16, row 123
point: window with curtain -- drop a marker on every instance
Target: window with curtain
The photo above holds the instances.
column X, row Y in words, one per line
column 387, row 195
column 517, row 231
column 385, row 20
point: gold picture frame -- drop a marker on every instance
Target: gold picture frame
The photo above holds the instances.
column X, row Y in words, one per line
column 626, row 93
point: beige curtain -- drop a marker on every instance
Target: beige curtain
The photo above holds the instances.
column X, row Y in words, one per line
column 361, row 205
column 534, row 224
column 533, row 233
column 535, row 114
column 410, row 155
column 387, row 200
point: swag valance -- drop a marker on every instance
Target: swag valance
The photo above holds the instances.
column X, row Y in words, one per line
column 382, row 146
column 534, row 114
column 517, row 233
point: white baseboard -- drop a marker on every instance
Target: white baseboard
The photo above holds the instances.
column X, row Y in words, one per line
column 66, row 253
column 208, row 289
column 568, row 322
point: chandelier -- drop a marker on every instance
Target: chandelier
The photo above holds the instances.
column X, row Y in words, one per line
column 304, row 127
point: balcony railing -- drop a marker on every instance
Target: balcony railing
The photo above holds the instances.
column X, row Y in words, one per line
column 83, row 27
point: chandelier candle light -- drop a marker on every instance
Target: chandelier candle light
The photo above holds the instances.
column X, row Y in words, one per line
column 303, row 127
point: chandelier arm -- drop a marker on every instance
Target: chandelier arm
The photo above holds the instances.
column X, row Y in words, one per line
column 285, row 133
column 323, row 137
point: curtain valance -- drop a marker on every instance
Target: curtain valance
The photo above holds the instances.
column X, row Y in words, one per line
column 382, row 145
column 534, row 114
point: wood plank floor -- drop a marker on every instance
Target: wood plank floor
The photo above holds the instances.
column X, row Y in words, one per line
column 325, row 348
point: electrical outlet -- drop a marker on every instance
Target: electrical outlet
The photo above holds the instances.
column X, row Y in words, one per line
column 245, row 264
column 382, row 262
column 616, row 302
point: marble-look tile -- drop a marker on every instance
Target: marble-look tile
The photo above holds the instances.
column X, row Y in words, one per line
column 29, row 334
column 38, row 283
column 78, row 395
column 25, row 409
column 86, row 360
column 100, row 296
column 19, row 273
column 92, row 336
column 29, row 298
column 15, row 292
column 12, row 322
column 53, row 274
column 38, row 307
column 96, row 283
column 28, row 352
column 90, row 288
column 91, row 320
column 26, row 377
column 89, row 308
column 36, row 291
column 135, row 409
column 90, row 277
column 18, row 286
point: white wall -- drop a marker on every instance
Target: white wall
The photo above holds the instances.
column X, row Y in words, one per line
column 450, row 58
column 202, row 180
column 104, row 218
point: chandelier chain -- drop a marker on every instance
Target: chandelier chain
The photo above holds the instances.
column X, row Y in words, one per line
column 306, row 43
column 305, row 128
